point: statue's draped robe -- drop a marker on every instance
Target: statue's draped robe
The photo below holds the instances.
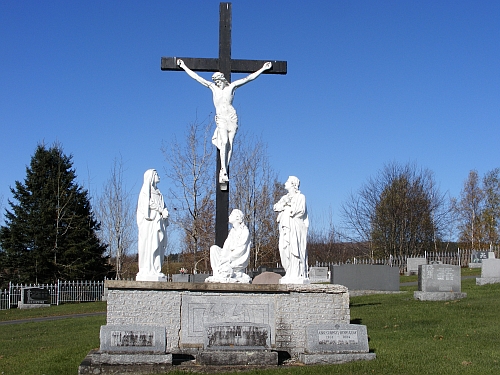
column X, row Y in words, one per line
column 152, row 227
column 293, row 224
column 235, row 253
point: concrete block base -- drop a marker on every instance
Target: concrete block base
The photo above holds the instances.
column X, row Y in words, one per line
column 438, row 296
column 237, row 358
column 487, row 280
column 106, row 363
column 331, row 358
column 21, row 305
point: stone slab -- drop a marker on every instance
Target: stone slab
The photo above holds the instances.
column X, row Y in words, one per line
column 237, row 358
column 336, row 338
column 34, row 296
column 21, row 305
column 199, row 311
column 239, row 336
column 181, row 278
column 487, row 280
column 412, row 265
column 490, row 268
column 439, row 278
column 132, row 338
column 366, row 277
column 104, row 363
column 438, row 296
column 267, row 278
column 332, row 358
column 319, row 274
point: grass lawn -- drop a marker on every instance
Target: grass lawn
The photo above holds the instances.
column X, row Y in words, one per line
column 408, row 336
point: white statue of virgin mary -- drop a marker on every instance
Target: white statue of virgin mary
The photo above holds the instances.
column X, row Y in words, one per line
column 152, row 222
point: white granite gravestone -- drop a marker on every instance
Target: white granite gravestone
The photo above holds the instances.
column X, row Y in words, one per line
column 336, row 343
column 319, row 275
column 439, row 282
column 490, row 272
column 412, row 265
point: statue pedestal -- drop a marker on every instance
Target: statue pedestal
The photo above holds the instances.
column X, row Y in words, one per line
column 207, row 320
column 160, row 277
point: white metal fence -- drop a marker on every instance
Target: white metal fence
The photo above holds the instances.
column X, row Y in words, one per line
column 63, row 291
column 458, row 258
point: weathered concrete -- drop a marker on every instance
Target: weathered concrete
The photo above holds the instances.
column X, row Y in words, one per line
column 438, row 296
column 237, row 358
column 183, row 308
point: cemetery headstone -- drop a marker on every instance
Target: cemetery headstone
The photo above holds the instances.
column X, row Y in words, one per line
column 319, row 275
column 476, row 258
column 130, row 348
column 336, row 343
column 490, row 272
column 181, row 278
column 439, row 282
column 412, row 265
column 267, row 278
column 366, row 277
column 34, row 297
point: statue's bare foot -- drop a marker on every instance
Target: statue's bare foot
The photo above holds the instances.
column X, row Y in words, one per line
column 223, row 177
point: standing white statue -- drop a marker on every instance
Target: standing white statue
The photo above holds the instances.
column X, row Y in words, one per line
column 293, row 224
column 226, row 119
column 152, row 222
column 229, row 262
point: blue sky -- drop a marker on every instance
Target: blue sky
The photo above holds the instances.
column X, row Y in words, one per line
column 368, row 83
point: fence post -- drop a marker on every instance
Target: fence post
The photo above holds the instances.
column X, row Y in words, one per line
column 9, row 294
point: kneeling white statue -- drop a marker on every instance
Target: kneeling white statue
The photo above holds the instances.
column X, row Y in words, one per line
column 152, row 222
column 229, row 262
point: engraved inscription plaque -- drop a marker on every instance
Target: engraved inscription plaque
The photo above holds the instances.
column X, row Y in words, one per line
column 199, row 311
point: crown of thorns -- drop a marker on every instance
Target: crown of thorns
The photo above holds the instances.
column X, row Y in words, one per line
column 218, row 75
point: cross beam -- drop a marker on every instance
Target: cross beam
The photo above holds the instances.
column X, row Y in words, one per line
column 226, row 65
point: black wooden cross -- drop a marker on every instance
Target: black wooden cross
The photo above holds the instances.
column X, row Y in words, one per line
column 226, row 65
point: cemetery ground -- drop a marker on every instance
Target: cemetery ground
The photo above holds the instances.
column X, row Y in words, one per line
column 408, row 336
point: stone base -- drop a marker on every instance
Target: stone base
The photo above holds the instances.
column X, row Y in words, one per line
column 237, row 277
column 438, row 296
column 289, row 280
column 487, row 280
column 237, row 358
column 328, row 358
column 21, row 305
column 106, row 363
column 160, row 277
column 474, row 265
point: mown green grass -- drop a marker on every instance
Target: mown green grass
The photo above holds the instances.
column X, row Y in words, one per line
column 408, row 337
column 66, row 309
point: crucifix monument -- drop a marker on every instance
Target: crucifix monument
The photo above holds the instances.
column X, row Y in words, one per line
column 223, row 66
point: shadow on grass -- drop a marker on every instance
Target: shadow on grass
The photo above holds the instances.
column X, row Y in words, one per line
column 364, row 304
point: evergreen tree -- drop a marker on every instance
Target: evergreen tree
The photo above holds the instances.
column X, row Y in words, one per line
column 50, row 233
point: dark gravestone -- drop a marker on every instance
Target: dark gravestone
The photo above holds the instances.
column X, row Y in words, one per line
column 245, row 344
column 32, row 297
column 366, row 277
column 241, row 336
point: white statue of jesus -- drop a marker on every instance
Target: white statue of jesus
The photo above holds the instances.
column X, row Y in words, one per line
column 226, row 119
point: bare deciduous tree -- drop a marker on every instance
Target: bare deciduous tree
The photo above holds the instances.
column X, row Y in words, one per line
column 399, row 212
column 190, row 169
column 116, row 213
column 252, row 182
